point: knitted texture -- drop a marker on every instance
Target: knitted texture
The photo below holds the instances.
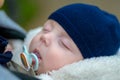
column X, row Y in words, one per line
column 94, row 31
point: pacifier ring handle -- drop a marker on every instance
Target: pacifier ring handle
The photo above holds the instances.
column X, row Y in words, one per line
column 35, row 67
column 24, row 61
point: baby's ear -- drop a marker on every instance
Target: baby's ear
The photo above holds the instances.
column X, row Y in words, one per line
column 32, row 33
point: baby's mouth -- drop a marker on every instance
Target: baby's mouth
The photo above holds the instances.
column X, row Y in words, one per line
column 36, row 52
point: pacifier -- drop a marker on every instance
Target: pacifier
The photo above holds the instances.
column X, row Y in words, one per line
column 27, row 59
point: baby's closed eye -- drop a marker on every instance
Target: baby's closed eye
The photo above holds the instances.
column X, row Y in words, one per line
column 65, row 43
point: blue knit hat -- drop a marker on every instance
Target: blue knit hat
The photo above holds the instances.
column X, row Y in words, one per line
column 94, row 31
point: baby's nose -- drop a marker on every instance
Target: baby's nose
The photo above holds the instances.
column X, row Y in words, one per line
column 45, row 39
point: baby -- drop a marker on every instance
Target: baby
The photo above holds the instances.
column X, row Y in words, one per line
column 54, row 47
column 74, row 33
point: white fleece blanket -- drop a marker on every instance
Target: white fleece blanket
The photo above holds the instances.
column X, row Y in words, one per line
column 102, row 68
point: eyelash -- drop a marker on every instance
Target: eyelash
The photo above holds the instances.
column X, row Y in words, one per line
column 64, row 45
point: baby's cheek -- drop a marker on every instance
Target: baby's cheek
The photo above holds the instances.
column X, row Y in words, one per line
column 31, row 46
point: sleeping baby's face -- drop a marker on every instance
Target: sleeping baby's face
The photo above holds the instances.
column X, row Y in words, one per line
column 54, row 48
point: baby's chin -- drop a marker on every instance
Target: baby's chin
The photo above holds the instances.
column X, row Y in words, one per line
column 40, row 71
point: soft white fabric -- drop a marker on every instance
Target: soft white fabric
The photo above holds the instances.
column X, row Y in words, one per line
column 17, row 45
column 102, row 68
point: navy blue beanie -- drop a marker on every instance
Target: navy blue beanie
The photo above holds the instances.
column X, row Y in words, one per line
column 94, row 31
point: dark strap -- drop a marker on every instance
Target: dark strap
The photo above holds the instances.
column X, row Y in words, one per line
column 5, row 57
column 11, row 33
column 3, row 44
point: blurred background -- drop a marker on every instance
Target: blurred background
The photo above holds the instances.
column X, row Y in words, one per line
column 33, row 13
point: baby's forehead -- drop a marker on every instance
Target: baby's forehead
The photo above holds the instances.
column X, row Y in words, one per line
column 61, row 30
column 58, row 28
